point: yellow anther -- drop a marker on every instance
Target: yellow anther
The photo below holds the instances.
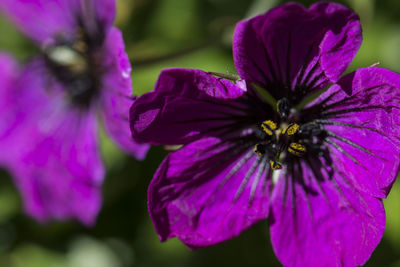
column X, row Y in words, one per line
column 291, row 129
column 268, row 127
column 257, row 150
column 297, row 149
column 275, row 165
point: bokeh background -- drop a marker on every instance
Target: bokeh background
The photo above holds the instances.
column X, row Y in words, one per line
column 163, row 34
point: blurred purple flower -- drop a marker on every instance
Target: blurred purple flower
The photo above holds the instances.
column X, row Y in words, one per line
column 48, row 130
column 318, row 171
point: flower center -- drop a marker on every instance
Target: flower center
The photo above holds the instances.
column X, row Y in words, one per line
column 76, row 65
column 287, row 138
column 279, row 140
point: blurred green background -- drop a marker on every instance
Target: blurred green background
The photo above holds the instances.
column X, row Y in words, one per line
column 163, row 34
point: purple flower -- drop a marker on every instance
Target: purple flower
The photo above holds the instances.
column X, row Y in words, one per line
column 50, row 106
column 318, row 171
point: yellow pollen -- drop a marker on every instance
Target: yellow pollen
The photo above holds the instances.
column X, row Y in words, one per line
column 297, row 149
column 275, row 165
column 291, row 129
column 257, row 151
column 268, row 127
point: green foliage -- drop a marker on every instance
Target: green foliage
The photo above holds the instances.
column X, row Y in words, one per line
column 169, row 34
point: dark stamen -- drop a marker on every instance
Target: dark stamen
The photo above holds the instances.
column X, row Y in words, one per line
column 283, row 108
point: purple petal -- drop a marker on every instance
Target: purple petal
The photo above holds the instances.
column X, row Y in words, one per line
column 296, row 49
column 43, row 20
column 186, row 105
column 319, row 221
column 9, row 71
column 53, row 149
column 105, row 12
column 208, row 192
column 60, row 173
column 363, row 128
column 117, row 95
